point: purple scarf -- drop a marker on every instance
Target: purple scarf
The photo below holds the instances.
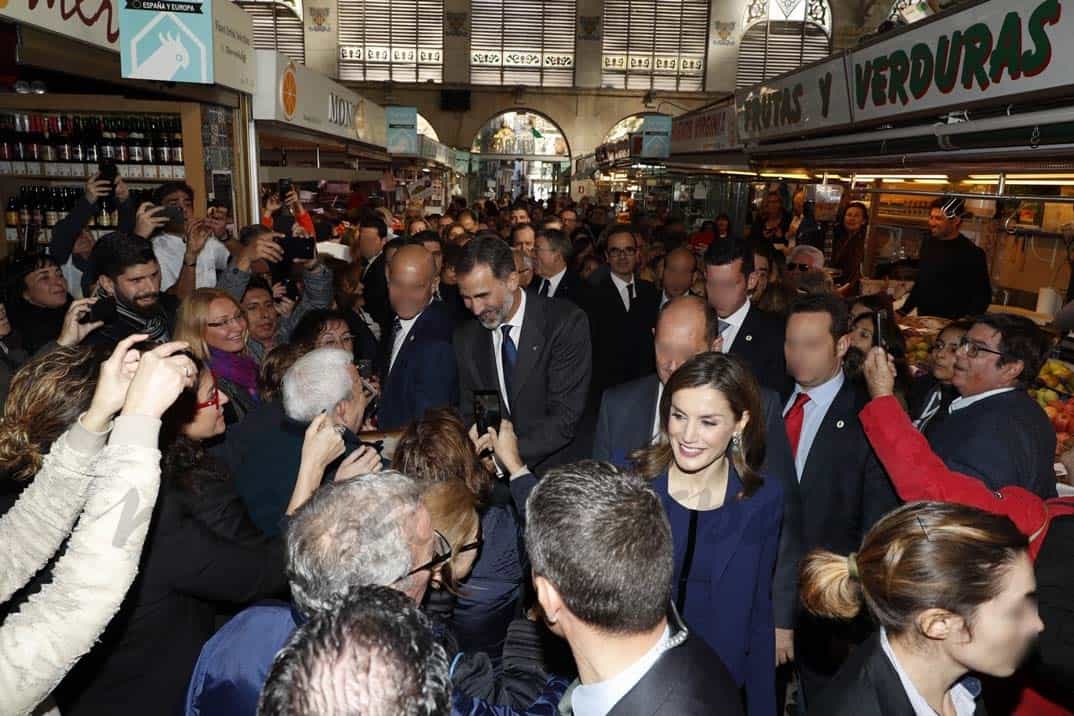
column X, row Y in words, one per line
column 239, row 368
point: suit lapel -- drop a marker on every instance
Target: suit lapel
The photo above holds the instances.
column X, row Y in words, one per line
column 735, row 512
column 832, row 431
column 744, row 337
column 530, row 341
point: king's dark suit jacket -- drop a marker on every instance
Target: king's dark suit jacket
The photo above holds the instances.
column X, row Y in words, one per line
column 424, row 374
column 551, row 377
column 625, row 423
column 759, row 342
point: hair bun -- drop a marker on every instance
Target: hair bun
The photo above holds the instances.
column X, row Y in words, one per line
column 830, row 585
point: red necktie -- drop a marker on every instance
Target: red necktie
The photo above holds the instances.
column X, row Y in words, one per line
column 794, row 419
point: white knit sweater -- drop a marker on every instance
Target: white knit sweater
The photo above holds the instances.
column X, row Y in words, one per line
column 110, row 491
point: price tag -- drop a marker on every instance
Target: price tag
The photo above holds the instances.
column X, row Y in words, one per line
column 178, row 172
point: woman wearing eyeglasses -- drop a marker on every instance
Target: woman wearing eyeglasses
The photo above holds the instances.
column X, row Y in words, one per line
column 725, row 516
column 931, row 394
column 202, row 554
column 214, row 325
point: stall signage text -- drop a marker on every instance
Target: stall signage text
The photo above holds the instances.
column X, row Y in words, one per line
column 704, row 131
column 985, row 51
column 801, row 102
column 92, row 21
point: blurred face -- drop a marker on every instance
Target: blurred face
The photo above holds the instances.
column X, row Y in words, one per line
column 519, row 216
column 225, row 329
column 813, row 356
column 524, row 270
column 46, row 287
column 983, row 373
column 139, row 286
column 208, row 419
column 678, row 273
column 699, row 428
column 1004, row 628
column 549, row 261
column 335, row 334
column 417, row 227
column 456, row 235
column 723, row 226
column 944, row 353
column 411, row 282
column 569, row 217
column 433, row 247
column 487, row 297
column 525, row 240
column 941, row 227
column 369, row 242
column 773, row 206
column 261, row 316
column 182, row 200
column 623, row 255
column 727, row 288
column 862, row 334
column 678, row 338
column 853, row 219
column 761, row 269
column 444, row 221
column 468, row 223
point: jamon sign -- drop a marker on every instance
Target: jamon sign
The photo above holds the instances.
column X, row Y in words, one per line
column 92, row 21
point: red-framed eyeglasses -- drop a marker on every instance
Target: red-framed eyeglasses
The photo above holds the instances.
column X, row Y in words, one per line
column 214, row 396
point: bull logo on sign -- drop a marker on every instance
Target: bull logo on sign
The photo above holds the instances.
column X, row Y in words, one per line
column 723, row 32
column 320, row 15
column 589, row 27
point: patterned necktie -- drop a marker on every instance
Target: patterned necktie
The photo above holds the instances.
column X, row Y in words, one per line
column 509, row 356
column 794, row 419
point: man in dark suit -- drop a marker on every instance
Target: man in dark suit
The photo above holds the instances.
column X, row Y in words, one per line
column 628, row 421
column 748, row 332
column 555, row 279
column 622, row 313
column 448, row 295
column 618, row 619
column 534, row 353
column 418, row 366
column 994, row 431
column 844, row 489
column 372, row 235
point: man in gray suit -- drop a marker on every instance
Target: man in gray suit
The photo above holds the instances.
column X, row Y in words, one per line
column 628, row 420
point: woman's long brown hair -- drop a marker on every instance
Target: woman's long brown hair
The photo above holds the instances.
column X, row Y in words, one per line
column 730, row 376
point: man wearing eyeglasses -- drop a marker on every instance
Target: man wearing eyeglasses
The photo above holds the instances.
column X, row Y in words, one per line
column 994, row 431
column 622, row 312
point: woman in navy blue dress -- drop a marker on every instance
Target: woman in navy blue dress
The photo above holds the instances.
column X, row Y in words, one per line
column 725, row 516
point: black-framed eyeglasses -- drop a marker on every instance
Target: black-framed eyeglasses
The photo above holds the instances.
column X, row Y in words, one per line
column 972, row 349
column 625, row 253
column 443, row 554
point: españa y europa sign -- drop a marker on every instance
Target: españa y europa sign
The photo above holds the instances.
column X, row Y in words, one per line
column 989, row 51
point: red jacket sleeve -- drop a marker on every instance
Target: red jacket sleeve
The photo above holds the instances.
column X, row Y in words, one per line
column 919, row 474
column 304, row 220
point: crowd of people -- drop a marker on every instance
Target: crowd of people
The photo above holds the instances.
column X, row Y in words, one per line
column 519, row 458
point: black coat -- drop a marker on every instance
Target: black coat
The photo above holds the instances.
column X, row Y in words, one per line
column 1003, row 440
column 625, row 423
column 868, row 685
column 35, row 324
column 551, row 378
column 687, row 680
column 759, row 342
column 572, row 287
column 201, row 552
column 622, row 340
column 424, row 374
column 375, row 292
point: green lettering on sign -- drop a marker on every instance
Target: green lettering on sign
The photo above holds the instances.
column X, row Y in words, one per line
column 1035, row 60
column 920, row 70
column 1007, row 54
column 900, row 71
column 948, row 56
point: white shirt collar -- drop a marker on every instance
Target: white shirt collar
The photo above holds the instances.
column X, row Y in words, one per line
column 960, row 402
column 600, row 698
column 962, row 698
column 516, row 320
column 620, row 283
column 554, row 281
column 737, row 318
column 824, row 394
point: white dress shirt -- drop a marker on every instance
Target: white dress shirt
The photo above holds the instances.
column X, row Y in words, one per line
column 656, row 418
column 960, row 402
column 961, row 698
column 554, row 281
column 664, row 298
column 170, row 251
column 497, row 344
column 734, row 323
column 600, row 698
column 624, row 290
column 820, row 399
column 405, row 324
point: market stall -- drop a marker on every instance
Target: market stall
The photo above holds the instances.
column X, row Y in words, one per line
column 519, row 153
column 84, row 104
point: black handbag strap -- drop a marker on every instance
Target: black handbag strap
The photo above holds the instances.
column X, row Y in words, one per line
column 687, row 563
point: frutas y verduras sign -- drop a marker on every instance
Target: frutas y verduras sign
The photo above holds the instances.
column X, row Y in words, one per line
column 985, row 52
column 812, row 99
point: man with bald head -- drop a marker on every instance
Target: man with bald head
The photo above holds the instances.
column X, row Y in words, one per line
column 417, row 362
column 679, row 267
column 629, row 420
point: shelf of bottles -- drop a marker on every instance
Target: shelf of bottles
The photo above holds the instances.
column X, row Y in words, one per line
column 47, row 146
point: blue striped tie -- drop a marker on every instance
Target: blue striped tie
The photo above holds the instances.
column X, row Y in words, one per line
column 509, row 356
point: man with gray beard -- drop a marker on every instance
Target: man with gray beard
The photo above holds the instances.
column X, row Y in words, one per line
column 534, row 355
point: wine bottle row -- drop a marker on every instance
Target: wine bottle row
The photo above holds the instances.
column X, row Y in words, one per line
column 72, row 146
